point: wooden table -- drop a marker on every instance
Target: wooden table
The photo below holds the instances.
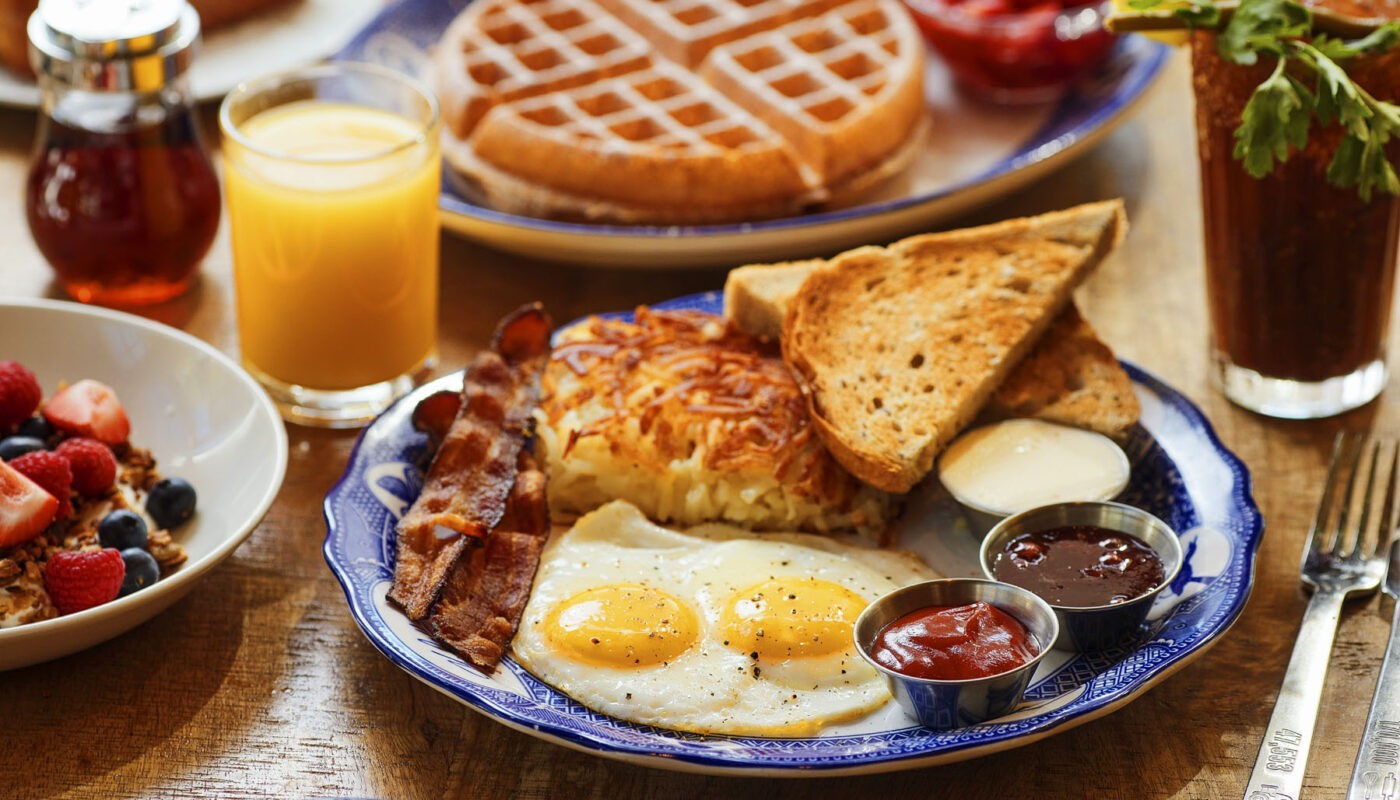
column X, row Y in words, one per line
column 259, row 684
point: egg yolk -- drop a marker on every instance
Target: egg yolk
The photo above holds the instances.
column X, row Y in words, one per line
column 793, row 618
column 622, row 625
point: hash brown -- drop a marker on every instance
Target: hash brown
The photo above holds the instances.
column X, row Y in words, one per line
column 692, row 421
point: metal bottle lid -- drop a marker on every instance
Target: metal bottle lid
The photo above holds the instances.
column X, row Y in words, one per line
column 113, row 45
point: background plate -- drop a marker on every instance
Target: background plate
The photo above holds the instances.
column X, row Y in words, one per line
column 973, row 152
column 287, row 37
column 198, row 413
column 1181, row 473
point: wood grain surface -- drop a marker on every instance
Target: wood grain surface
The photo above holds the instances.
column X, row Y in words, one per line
column 260, row 685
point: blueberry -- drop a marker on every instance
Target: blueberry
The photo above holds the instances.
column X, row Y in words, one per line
column 38, row 427
column 15, row 446
column 122, row 529
column 171, row 502
column 141, row 570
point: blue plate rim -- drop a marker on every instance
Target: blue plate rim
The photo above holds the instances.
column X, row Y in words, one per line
column 1145, row 68
column 1241, row 503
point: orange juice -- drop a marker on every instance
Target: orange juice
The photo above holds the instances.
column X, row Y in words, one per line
column 333, row 212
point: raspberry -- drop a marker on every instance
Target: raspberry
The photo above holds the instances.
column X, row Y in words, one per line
column 80, row 579
column 20, row 394
column 94, row 467
column 51, row 471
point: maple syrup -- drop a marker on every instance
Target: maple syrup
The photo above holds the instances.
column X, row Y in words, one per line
column 121, row 198
column 123, row 218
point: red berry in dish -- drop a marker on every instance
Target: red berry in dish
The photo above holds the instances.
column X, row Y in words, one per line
column 25, row 508
column 1015, row 50
column 77, row 580
column 94, row 466
column 19, row 394
column 51, row 471
column 89, row 408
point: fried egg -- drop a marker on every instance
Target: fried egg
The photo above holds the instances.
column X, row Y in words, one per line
column 714, row 630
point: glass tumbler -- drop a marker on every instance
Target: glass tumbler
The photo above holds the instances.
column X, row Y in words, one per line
column 331, row 178
column 1299, row 273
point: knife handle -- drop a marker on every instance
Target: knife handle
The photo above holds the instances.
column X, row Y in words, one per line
column 1377, row 772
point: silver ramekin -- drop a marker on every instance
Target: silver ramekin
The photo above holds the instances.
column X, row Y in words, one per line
column 944, row 704
column 1094, row 627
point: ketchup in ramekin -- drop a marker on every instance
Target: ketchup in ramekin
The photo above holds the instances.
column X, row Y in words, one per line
column 1015, row 51
column 958, row 651
column 954, row 643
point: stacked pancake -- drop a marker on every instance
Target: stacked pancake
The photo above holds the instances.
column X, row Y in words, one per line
column 676, row 111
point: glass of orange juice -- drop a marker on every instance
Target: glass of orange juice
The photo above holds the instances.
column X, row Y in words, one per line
column 331, row 175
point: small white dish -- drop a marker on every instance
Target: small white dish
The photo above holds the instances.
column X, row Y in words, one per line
column 1007, row 467
column 201, row 416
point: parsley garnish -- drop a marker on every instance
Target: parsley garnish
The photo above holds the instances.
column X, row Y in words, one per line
column 1281, row 112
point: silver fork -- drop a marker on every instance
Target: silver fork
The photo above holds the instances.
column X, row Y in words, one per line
column 1344, row 558
column 1377, row 771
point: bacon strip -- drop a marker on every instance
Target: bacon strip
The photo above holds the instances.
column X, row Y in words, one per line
column 435, row 414
column 464, row 494
column 481, row 603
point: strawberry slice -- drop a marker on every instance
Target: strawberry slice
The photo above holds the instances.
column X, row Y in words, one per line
column 25, row 509
column 89, row 408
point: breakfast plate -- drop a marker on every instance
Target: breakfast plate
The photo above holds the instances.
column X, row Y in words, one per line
column 199, row 414
column 1181, row 473
column 279, row 39
column 973, row 152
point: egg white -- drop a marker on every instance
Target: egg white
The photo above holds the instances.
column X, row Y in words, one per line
column 709, row 681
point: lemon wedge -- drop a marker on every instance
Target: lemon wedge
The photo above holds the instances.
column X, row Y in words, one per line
column 1173, row 37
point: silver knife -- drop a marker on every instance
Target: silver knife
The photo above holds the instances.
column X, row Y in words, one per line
column 1376, row 775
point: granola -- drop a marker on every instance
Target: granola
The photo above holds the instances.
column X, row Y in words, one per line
column 23, row 598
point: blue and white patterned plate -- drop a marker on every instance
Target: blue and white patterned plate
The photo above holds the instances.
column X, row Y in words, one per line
column 1181, row 473
column 973, row 153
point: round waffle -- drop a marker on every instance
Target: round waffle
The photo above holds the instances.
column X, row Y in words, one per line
column 678, row 111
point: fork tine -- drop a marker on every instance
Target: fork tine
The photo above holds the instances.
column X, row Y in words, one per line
column 1348, row 507
column 1322, row 537
column 1363, row 525
column 1387, row 524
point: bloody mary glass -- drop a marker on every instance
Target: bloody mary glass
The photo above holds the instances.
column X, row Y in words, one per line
column 1299, row 273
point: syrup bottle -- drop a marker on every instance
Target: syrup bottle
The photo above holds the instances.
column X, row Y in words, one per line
column 122, row 198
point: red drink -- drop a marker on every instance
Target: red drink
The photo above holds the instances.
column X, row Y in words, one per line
column 124, row 218
column 1299, row 273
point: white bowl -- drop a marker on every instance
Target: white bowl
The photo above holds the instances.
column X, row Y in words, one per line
column 201, row 416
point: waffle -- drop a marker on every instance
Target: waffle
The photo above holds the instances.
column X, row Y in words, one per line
column 669, row 111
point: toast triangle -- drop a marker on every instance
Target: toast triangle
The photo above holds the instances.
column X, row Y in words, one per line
column 899, row 348
column 1071, row 377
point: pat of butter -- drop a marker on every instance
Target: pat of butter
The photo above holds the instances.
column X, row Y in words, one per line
column 1011, row 466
